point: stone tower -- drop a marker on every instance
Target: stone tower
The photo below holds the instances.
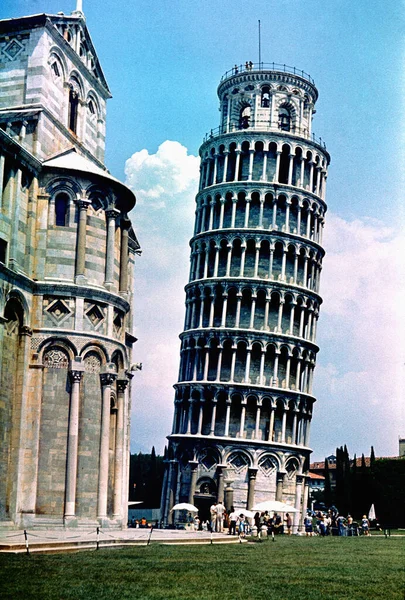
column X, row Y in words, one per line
column 67, row 252
column 243, row 402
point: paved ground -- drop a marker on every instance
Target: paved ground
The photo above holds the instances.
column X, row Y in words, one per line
column 71, row 540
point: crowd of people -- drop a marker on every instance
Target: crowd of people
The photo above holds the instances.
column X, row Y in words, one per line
column 333, row 523
column 240, row 522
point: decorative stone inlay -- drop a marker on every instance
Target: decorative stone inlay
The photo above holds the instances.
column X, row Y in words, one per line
column 267, row 465
column 55, row 359
column 95, row 315
column 92, row 363
column 117, row 323
column 208, row 461
column 13, row 49
column 36, row 341
column 238, row 461
column 58, row 311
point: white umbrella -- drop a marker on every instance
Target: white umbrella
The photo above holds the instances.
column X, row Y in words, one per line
column 246, row 513
column 185, row 506
column 371, row 513
column 275, row 506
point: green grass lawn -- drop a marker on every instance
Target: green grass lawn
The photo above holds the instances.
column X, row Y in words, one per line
column 291, row 568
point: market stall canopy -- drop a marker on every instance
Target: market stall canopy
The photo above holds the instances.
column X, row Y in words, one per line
column 275, row 506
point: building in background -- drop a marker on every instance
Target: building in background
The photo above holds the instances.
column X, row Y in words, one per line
column 67, row 253
column 243, row 401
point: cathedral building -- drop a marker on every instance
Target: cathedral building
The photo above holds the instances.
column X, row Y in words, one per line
column 67, row 251
column 243, row 402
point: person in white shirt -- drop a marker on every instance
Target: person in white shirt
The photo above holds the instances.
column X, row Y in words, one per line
column 213, row 513
column 220, row 517
column 233, row 518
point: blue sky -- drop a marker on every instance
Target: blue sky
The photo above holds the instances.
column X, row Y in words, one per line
column 163, row 62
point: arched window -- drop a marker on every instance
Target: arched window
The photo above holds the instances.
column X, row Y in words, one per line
column 245, row 117
column 61, row 210
column 284, row 119
column 265, row 102
column 73, row 108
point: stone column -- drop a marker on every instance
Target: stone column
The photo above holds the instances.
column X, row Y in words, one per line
column 228, row 494
column 298, row 495
column 271, row 425
column 193, row 466
column 107, row 377
column 283, row 425
column 219, row 365
column 274, row 216
column 221, row 214
column 224, row 309
column 76, row 372
column 257, row 424
column 277, row 173
column 213, row 416
column 252, row 472
column 302, row 172
column 111, row 216
column 290, row 168
column 200, row 416
column 242, row 260
column 123, row 284
column 227, row 416
column 226, row 154
column 82, row 204
column 257, row 257
column 299, row 219
column 279, row 488
column 287, row 215
column 252, row 312
column 233, row 217
column 261, row 212
column 122, row 383
column 247, row 212
column 237, row 163
column 264, row 165
column 251, row 157
column 233, row 361
column 242, row 419
column 220, row 479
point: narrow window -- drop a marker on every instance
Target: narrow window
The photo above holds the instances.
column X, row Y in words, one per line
column 73, row 109
column 61, row 210
column 3, row 251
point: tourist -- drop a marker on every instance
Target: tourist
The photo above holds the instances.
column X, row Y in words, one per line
column 278, row 524
column 341, row 523
column 288, row 522
column 213, row 514
column 258, row 521
column 308, row 526
column 219, row 520
column 143, row 522
column 233, row 518
column 241, row 525
column 365, row 525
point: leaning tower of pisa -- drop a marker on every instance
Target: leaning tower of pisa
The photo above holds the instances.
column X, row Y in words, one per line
column 243, row 401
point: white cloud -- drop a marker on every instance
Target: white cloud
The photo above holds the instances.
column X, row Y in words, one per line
column 165, row 185
column 358, row 378
column 360, row 373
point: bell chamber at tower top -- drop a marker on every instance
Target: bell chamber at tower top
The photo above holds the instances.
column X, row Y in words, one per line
column 265, row 132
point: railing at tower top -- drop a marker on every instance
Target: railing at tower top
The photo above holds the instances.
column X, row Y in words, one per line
column 249, row 67
column 259, row 126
